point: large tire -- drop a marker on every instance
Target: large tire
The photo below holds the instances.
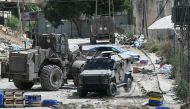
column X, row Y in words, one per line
column 81, row 92
column 127, row 87
column 92, row 40
column 112, row 89
column 51, row 77
column 23, row 85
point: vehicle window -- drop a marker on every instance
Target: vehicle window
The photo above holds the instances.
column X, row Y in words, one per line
column 121, row 50
column 99, row 64
column 100, row 49
column 115, row 50
column 104, row 49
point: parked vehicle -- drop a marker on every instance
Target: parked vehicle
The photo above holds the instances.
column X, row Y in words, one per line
column 115, row 49
column 102, row 27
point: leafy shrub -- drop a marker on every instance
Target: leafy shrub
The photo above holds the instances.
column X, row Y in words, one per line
column 182, row 90
column 12, row 22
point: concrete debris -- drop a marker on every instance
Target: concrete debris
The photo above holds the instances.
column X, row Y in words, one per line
column 143, row 83
column 124, row 39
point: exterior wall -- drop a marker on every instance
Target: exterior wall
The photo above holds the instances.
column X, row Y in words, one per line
column 161, row 34
column 120, row 21
column 45, row 27
column 152, row 8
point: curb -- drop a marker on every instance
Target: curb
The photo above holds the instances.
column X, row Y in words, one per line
column 154, row 69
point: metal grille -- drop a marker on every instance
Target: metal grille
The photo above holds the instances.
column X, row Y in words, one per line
column 92, row 80
column 17, row 64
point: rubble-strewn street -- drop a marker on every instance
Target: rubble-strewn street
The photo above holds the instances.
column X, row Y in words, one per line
column 134, row 99
column 95, row 54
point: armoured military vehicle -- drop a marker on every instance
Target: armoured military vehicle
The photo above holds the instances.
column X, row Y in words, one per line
column 47, row 63
column 102, row 28
column 105, row 74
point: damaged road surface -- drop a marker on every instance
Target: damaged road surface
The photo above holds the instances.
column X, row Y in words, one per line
column 69, row 97
column 135, row 98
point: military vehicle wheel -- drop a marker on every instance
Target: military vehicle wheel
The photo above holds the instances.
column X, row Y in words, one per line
column 128, row 86
column 82, row 93
column 23, row 85
column 51, row 77
column 92, row 40
column 112, row 90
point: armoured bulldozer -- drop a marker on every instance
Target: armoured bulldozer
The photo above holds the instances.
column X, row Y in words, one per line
column 46, row 63
column 102, row 28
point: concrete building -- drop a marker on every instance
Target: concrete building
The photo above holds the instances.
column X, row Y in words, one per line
column 146, row 12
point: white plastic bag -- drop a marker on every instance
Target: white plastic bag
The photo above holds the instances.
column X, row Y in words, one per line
column 166, row 68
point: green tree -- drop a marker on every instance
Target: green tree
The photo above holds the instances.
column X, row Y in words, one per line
column 127, row 4
column 56, row 11
column 31, row 7
column 12, row 22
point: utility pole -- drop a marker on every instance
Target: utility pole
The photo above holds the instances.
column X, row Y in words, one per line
column 113, row 10
column 19, row 15
column 145, row 17
column 109, row 8
column 96, row 7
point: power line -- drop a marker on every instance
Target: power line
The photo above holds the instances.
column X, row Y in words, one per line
column 161, row 11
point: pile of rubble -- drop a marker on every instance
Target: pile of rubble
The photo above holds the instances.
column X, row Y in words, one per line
column 9, row 41
column 136, row 40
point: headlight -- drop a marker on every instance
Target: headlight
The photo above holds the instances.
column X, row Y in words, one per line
column 101, row 28
column 105, row 28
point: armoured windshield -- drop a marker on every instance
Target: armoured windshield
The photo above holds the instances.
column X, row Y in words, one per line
column 99, row 64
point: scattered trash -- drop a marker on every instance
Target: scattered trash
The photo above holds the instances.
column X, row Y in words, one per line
column 158, row 107
column 1, row 98
column 162, row 60
column 144, row 60
column 14, row 47
column 136, row 70
column 155, row 99
column 139, row 41
column 166, row 68
column 13, row 99
column 50, row 102
column 145, row 71
column 33, row 100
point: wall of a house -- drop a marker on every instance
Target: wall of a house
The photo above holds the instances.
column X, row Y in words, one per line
column 152, row 8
